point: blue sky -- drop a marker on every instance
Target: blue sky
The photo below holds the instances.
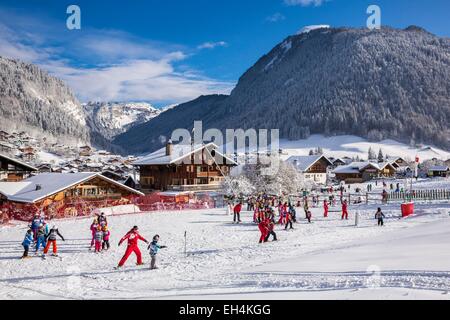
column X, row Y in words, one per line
column 174, row 50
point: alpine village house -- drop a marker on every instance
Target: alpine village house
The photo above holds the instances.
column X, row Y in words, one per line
column 184, row 167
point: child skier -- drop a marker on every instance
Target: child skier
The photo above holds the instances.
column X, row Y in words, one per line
column 41, row 236
column 133, row 237
column 51, row 240
column 380, row 216
column 344, row 210
column 35, row 222
column 264, row 231
column 106, row 235
column 293, row 213
column 288, row 221
column 237, row 213
column 98, row 239
column 309, row 216
column 325, row 208
column 102, row 221
column 154, row 248
column 93, row 228
column 270, row 226
column 27, row 242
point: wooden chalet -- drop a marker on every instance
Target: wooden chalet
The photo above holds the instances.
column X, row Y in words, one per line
column 45, row 189
column 184, row 168
column 357, row 172
column 439, row 171
column 313, row 168
column 14, row 170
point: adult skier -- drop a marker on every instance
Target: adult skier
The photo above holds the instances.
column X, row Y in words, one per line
column 344, row 210
column 154, row 248
column 27, row 241
column 133, row 237
column 379, row 215
column 51, row 240
column 237, row 212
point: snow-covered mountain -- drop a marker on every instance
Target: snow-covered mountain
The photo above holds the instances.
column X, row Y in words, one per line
column 33, row 101
column 376, row 84
column 112, row 118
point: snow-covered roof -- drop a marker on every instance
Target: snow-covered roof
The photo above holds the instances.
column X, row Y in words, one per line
column 356, row 167
column 303, row 163
column 438, row 168
column 51, row 183
column 26, row 165
column 179, row 152
column 9, row 188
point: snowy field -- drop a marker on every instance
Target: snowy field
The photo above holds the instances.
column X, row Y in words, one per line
column 328, row 259
column 353, row 146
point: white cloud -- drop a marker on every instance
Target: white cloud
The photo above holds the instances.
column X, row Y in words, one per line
column 108, row 64
column 275, row 17
column 212, row 45
column 304, row 3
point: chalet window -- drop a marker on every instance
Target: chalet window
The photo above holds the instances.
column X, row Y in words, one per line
column 148, row 180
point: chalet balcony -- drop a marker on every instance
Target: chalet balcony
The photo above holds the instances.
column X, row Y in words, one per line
column 96, row 197
column 196, row 187
column 208, row 174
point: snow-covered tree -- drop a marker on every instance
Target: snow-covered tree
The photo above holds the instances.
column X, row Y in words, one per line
column 238, row 186
column 371, row 154
column 286, row 180
column 380, row 156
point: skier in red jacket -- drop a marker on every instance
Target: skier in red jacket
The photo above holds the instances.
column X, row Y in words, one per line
column 264, row 229
column 237, row 213
column 133, row 237
column 325, row 208
column 344, row 210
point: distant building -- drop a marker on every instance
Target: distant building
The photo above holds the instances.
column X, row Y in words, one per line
column 184, row 168
column 4, row 136
column 85, row 151
column 6, row 147
column 439, row 171
column 338, row 162
column 313, row 168
column 14, row 170
column 357, row 172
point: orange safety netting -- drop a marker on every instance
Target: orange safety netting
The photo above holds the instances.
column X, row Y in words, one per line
column 83, row 207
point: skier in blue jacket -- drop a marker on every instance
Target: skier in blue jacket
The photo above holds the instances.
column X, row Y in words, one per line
column 35, row 222
column 41, row 238
column 27, row 241
column 154, row 248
